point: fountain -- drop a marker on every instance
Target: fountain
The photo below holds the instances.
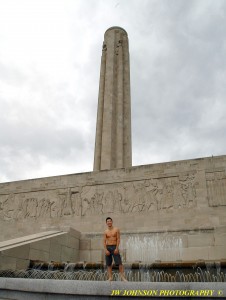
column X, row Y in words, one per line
column 162, row 279
column 192, row 271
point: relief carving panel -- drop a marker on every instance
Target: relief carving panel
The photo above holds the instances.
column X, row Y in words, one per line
column 140, row 196
column 126, row 197
column 216, row 188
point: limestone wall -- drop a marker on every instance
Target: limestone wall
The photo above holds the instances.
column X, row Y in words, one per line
column 181, row 196
column 189, row 245
column 57, row 246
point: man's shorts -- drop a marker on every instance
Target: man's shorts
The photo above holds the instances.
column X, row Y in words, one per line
column 117, row 257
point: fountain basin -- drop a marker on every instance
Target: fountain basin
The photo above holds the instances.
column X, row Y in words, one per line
column 189, row 271
column 40, row 289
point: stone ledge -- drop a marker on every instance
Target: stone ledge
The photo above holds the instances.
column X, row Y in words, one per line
column 101, row 288
column 29, row 239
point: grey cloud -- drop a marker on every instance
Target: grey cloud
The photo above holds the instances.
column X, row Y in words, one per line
column 12, row 75
column 177, row 85
column 178, row 72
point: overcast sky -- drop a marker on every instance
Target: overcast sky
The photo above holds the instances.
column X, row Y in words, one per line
column 50, row 55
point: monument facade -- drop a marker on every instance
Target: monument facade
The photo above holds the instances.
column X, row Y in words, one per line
column 167, row 211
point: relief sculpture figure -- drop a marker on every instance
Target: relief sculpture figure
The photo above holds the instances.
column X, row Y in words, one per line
column 87, row 194
column 7, row 208
column 31, row 207
column 117, row 201
column 108, row 202
column 76, row 203
column 178, row 199
column 188, row 191
column 125, row 202
column 98, row 203
column 154, row 192
column 55, row 208
column 44, row 208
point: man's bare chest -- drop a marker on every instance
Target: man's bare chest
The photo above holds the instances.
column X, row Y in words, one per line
column 111, row 234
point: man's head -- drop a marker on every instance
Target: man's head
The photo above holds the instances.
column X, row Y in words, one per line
column 109, row 222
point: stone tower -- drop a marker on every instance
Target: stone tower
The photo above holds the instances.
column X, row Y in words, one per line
column 113, row 130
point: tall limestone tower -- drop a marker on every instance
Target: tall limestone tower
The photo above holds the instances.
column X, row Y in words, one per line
column 113, row 130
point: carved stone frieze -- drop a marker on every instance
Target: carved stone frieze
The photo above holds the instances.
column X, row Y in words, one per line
column 216, row 188
column 140, row 196
column 126, row 197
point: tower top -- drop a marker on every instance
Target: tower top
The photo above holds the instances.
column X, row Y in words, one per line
column 116, row 28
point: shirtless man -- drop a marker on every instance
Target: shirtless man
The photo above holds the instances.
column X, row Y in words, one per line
column 111, row 245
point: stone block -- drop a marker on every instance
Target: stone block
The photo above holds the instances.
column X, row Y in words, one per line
column 60, row 239
column 66, row 253
column 55, row 246
column 18, row 252
column 220, row 239
column 75, row 233
column 54, row 251
column 75, row 256
column 168, row 255
column 96, row 243
column 22, row 264
column 8, row 263
column 220, row 230
column 194, row 253
column 216, row 221
column 41, row 245
column 217, row 252
column 96, row 256
column 200, row 240
column 85, row 244
column 223, row 221
column 55, row 256
column 183, row 240
column 85, row 255
column 35, row 254
column 72, row 242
